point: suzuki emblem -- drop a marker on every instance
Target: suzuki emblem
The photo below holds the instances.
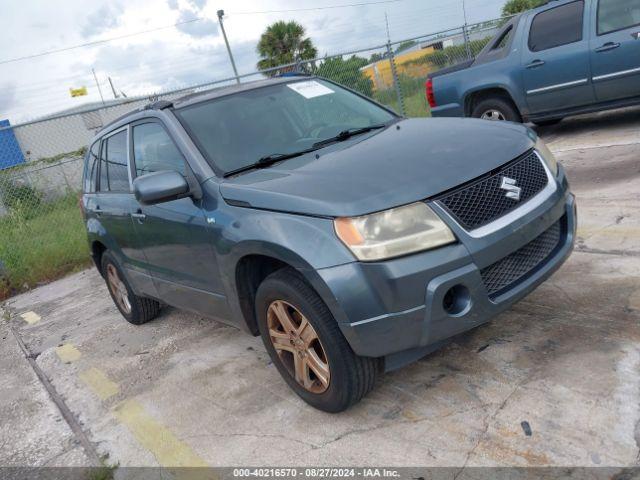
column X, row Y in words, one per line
column 513, row 191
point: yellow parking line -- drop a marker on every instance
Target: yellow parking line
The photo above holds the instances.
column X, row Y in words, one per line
column 166, row 448
column 99, row 383
column 68, row 353
column 30, row 317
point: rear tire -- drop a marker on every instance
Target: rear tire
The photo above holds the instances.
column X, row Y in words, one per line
column 135, row 309
column 497, row 109
column 347, row 378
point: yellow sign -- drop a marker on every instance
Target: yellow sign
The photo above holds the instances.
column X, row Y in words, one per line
column 78, row 92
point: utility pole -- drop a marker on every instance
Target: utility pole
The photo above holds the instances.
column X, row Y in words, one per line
column 224, row 34
column 394, row 70
column 98, row 85
column 113, row 89
column 386, row 21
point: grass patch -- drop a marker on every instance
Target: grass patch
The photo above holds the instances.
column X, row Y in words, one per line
column 42, row 245
column 415, row 105
column 413, row 92
column 105, row 471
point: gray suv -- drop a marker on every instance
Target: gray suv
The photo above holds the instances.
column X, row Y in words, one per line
column 352, row 240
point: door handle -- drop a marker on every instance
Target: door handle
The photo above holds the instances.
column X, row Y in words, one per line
column 536, row 64
column 139, row 216
column 607, row 47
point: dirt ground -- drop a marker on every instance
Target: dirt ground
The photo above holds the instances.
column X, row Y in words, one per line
column 552, row 382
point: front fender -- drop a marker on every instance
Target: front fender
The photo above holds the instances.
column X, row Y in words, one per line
column 305, row 243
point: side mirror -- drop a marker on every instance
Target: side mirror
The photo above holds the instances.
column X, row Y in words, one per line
column 159, row 187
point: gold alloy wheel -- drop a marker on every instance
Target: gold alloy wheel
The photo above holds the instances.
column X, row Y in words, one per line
column 118, row 289
column 298, row 346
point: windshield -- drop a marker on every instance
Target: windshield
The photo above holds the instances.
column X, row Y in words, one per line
column 238, row 130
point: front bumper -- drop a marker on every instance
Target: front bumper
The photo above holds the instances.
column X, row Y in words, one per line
column 399, row 305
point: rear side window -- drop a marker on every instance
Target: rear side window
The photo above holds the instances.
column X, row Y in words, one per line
column 557, row 26
column 614, row 15
column 91, row 169
column 154, row 151
column 502, row 41
column 114, row 172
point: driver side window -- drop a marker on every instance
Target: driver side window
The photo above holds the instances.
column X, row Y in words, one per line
column 154, row 151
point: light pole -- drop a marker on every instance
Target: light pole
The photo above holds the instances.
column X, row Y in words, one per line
column 224, row 34
column 464, row 31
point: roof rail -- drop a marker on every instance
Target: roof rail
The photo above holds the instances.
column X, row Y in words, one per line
column 158, row 105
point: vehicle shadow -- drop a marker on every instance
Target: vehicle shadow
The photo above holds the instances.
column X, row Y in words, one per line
column 612, row 119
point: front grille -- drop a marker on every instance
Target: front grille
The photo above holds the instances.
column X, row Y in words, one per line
column 505, row 273
column 482, row 200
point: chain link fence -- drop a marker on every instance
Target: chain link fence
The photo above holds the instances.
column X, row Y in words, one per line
column 42, row 235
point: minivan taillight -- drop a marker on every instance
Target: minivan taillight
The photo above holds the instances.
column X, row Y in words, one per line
column 431, row 98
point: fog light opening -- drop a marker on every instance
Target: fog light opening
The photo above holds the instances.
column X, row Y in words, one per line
column 457, row 301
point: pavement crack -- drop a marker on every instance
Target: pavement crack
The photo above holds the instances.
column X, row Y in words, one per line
column 395, row 422
column 487, row 423
column 79, row 434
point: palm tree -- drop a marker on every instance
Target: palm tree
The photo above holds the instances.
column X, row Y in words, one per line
column 283, row 43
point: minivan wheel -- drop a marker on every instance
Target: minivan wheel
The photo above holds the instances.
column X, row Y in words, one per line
column 496, row 109
column 307, row 347
column 135, row 309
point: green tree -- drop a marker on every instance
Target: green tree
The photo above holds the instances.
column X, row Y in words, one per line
column 283, row 43
column 347, row 73
column 516, row 6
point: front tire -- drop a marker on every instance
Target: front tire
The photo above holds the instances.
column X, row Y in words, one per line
column 307, row 347
column 497, row 109
column 135, row 309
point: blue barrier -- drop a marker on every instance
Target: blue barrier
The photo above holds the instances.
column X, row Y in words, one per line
column 10, row 153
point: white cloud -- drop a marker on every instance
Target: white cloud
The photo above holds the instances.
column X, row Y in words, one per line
column 102, row 20
column 201, row 28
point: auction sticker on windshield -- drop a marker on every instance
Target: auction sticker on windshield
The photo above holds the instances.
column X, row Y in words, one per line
column 310, row 89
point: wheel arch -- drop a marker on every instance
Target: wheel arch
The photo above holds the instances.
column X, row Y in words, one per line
column 474, row 97
column 97, row 250
column 253, row 263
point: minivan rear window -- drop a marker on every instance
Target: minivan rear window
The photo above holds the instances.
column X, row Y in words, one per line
column 557, row 26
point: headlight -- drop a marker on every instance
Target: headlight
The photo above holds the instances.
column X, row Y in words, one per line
column 394, row 232
column 547, row 156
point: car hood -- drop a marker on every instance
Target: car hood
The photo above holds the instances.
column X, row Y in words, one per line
column 409, row 161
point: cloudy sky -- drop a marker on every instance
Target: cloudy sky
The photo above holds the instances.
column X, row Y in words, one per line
column 188, row 54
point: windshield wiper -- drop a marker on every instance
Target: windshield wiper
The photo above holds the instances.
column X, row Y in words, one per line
column 268, row 160
column 345, row 134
